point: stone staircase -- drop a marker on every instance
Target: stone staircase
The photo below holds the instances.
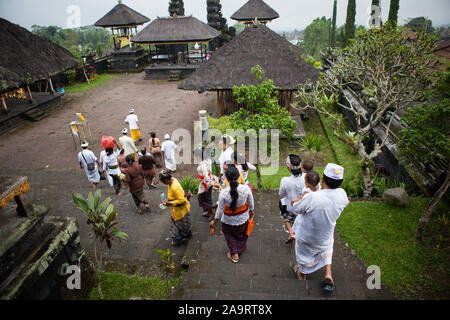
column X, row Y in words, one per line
column 264, row 271
column 32, row 252
column 174, row 75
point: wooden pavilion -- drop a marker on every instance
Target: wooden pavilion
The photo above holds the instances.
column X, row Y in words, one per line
column 255, row 10
column 26, row 58
column 122, row 20
column 174, row 34
column 231, row 65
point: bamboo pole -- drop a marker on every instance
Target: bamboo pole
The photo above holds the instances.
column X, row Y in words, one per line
column 29, row 93
column 4, row 106
column 50, row 82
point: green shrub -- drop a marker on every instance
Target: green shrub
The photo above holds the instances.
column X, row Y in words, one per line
column 71, row 75
column 221, row 124
column 190, row 184
column 308, row 142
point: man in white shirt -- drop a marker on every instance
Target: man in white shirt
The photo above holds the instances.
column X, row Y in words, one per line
column 126, row 143
column 315, row 224
column 168, row 153
column 226, row 155
column 133, row 122
column 90, row 163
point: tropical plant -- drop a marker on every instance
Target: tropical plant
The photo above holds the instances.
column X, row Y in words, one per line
column 266, row 111
column 382, row 71
column 190, row 184
column 102, row 217
column 166, row 258
column 425, row 141
column 308, row 142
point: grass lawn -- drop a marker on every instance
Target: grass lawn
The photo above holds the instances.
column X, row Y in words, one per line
column 80, row 87
column 345, row 156
column 119, row 286
column 383, row 235
column 272, row 182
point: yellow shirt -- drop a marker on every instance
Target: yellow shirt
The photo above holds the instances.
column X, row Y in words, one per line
column 240, row 180
column 180, row 206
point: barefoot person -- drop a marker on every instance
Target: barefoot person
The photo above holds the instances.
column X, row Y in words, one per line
column 181, row 227
column 135, row 128
column 234, row 210
column 168, row 152
column 127, row 144
column 135, row 182
column 317, row 215
column 90, row 163
column 148, row 164
column 155, row 149
column 111, row 166
column 290, row 189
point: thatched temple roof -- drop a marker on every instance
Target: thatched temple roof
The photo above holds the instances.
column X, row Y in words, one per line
column 121, row 16
column 26, row 58
column 256, row 45
column 176, row 30
column 255, row 9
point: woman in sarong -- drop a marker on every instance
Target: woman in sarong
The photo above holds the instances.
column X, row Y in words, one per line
column 181, row 227
column 155, row 149
column 235, row 207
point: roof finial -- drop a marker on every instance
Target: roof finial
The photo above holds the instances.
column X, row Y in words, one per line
column 119, row 1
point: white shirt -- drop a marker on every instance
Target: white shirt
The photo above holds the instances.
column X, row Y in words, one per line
column 317, row 214
column 128, row 145
column 90, row 158
column 168, row 147
column 290, row 189
column 225, row 156
column 111, row 161
column 132, row 121
column 245, row 195
column 245, row 173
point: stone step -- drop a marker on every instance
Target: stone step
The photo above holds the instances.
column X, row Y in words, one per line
column 36, row 114
column 241, row 286
column 208, row 294
column 54, row 243
column 18, row 232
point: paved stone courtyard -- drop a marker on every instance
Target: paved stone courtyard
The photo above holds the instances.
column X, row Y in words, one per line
column 44, row 152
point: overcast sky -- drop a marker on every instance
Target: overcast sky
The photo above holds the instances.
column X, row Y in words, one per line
column 294, row 14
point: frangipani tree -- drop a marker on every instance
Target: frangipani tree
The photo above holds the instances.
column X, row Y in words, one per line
column 102, row 217
column 382, row 71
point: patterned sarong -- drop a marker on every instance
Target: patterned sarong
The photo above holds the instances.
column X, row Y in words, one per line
column 236, row 237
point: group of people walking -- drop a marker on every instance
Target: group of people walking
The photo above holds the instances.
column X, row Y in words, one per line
column 120, row 162
column 309, row 208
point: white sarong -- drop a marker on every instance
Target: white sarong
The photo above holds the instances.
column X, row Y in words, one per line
column 314, row 227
